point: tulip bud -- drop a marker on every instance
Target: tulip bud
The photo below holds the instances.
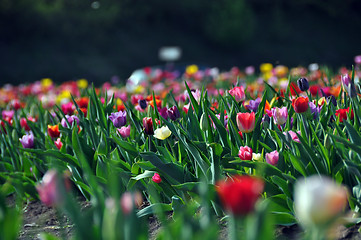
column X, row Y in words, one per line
column 142, row 103
column 203, row 122
column 303, row 84
column 238, row 93
column 279, row 115
column 156, row 178
column 300, row 104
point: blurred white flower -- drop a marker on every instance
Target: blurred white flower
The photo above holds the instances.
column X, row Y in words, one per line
column 319, row 201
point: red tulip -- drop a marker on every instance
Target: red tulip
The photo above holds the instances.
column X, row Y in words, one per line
column 246, row 122
column 24, row 123
column 239, row 195
column 245, row 153
column 300, row 104
column 53, row 131
column 342, row 114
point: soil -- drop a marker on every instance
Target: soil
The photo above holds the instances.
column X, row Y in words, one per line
column 38, row 218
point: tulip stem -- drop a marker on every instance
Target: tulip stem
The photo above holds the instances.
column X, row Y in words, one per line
column 232, row 227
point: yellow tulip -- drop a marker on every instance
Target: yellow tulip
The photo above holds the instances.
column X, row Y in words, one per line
column 266, row 67
column 162, row 133
column 82, row 83
column 46, row 82
column 191, row 69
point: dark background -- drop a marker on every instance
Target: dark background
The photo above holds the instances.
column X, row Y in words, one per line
column 71, row 39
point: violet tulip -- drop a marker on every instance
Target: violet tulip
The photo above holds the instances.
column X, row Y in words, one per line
column 119, row 119
column 27, row 140
column 70, row 119
column 253, row 104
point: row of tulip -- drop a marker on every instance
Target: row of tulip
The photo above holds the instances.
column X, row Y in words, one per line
column 201, row 146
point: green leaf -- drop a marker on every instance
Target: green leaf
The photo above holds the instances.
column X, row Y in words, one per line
column 146, row 174
column 172, row 170
column 154, row 209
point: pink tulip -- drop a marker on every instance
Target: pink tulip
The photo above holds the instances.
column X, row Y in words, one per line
column 238, row 93
column 245, row 153
column 272, row 157
column 279, row 115
column 49, row 190
column 124, row 131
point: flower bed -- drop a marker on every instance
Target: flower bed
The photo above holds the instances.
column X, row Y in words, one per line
column 278, row 147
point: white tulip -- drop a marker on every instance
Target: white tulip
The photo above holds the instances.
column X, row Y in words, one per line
column 318, row 201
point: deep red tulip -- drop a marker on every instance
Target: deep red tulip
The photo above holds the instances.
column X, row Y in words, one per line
column 148, row 125
column 239, row 195
column 300, row 104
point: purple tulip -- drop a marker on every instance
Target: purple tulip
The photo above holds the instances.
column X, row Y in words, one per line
column 315, row 110
column 348, row 85
column 163, row 112
column 119, row 119
column 303, row 84
column 142, row 103
column 27, row 141
column 173, row 113
column 253, row 104
column 70, row 119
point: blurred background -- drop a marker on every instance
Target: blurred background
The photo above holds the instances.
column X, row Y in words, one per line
column 71, row 39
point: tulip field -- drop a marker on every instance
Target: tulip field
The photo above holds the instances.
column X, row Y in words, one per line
column 209, row 154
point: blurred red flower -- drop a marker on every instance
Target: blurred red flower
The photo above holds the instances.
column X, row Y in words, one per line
column 239, row 194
